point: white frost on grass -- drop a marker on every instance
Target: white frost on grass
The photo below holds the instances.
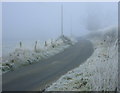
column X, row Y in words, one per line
column 99, row 72
column 21, row 57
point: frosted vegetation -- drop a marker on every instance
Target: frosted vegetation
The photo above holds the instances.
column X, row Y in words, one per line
column 22, row 57
column 100, row 71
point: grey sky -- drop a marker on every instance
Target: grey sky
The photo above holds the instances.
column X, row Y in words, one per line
column 41, row 21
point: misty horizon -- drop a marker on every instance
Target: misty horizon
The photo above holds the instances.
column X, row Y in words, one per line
column 42, row 21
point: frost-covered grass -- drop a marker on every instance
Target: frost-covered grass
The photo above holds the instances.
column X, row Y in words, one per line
column 22, row 57
column 99, row 72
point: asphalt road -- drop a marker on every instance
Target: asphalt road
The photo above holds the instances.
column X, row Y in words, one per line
column 39, row 75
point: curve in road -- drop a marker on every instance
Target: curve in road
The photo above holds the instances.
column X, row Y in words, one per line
column 37, row 76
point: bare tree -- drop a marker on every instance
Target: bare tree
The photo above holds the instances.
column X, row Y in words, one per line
column 93, row 22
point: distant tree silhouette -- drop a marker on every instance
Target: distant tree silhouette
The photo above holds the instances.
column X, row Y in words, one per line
column 93, row 20
column 20, row 44
column 35, row 48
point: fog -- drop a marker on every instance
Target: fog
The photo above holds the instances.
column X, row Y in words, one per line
column 42, row 21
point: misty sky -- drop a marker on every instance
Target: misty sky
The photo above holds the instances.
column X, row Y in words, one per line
column 42, row 21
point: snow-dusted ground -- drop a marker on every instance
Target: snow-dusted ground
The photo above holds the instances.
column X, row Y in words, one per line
column 100, row 71
column 21, row 56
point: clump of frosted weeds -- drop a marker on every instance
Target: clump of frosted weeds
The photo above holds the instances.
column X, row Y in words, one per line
column 106, row 69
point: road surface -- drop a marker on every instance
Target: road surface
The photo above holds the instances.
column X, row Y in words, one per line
column 39, row 75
